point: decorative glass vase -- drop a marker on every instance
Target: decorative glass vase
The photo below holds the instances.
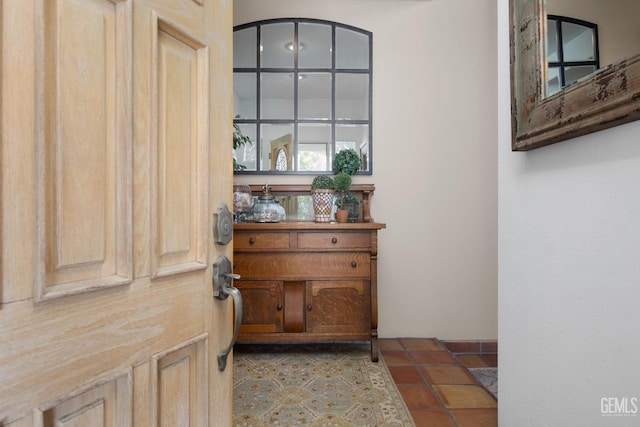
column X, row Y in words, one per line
column 267, row 209
column 242, row 203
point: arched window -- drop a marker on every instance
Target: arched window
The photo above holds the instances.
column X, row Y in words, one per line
column 572, row 51
column 302, row 86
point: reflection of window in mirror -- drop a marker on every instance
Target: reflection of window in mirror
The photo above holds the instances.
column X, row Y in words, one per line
column 302, row 93
column 572, row 51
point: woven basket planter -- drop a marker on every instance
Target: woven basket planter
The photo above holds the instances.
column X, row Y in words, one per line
column 322, row 204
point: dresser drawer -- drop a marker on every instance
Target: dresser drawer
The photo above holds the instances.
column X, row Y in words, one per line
column 260, row 240
column 303, row 265
column 338, row 240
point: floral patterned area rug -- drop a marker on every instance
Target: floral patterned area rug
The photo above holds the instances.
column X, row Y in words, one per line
column 314, row 385
column 488, row 377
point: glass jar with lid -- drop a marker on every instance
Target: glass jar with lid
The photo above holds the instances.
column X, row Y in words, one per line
column 267, row 208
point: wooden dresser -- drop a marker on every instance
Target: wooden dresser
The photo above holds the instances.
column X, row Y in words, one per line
column 308, row 282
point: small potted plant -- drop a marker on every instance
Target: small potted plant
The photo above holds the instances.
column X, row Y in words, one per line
column 322, row 191
column 342, row 183
column 345, row 164
column 351, row 203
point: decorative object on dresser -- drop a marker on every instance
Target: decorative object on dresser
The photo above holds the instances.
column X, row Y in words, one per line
column 322, row 191
column 242, row 202
column 351, row 203
column 342, row 182
column 267, row 209
column 293, row 196
column 345, row 164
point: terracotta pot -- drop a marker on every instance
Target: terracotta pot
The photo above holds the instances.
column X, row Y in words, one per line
column 342, row 215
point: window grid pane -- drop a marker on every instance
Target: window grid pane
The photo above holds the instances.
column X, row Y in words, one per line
column 572, row 51
column 313, row 78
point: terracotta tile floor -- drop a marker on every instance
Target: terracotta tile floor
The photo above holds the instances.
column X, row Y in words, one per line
column 435, row 384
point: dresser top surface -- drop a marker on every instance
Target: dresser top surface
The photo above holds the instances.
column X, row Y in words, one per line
column 308, row 225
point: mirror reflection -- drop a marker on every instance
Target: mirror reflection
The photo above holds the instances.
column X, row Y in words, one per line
column 302, row 92
column 583, row 36
column 598, row 101
column 572, row 51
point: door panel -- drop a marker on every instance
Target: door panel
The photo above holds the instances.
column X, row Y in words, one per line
column 107, row 403
column 83, row 146
column 179, row 398
column 112, row 159
column 180, row 152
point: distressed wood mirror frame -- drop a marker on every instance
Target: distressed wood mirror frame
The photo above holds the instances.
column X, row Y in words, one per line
column 609, row 97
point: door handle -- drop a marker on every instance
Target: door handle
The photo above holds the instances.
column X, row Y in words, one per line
column 222, row 288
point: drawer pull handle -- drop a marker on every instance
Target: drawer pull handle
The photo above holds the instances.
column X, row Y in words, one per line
column 309, row 307
column 279, row 307
column 354, row 264
column 334, row 240
column 252, row 240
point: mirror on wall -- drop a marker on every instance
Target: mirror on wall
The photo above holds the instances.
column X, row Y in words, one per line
column 578, row 32
column 302, row 92
column 603, row 88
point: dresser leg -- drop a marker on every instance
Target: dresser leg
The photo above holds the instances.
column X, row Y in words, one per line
column 374, row 346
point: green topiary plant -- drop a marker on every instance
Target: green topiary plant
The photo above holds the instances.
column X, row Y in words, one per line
column 342, row 184
column 323, row 182
column 322, row 189
column 347, row 161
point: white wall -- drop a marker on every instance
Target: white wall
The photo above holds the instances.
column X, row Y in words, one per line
column 434, row 157
column 569, row 272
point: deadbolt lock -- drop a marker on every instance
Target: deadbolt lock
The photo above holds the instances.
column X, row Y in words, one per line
column 222, row 225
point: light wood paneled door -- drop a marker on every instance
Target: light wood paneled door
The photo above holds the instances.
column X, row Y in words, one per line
column 115, row 152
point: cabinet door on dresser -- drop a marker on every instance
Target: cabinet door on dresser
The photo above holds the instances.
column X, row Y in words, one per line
column 262, row 305
column 338, row 306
